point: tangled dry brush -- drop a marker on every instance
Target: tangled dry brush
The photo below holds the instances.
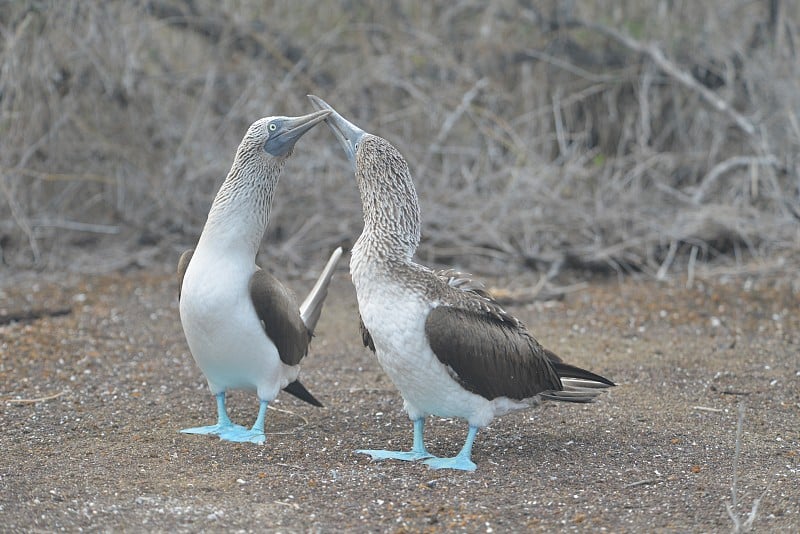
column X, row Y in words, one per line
column 614, row 136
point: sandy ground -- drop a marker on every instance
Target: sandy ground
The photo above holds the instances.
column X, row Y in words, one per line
column 92, row 401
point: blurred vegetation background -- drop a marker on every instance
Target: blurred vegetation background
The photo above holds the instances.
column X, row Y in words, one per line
column 617, row 136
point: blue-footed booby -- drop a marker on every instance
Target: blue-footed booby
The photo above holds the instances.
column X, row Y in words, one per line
column 244, row 328
column 446, row 344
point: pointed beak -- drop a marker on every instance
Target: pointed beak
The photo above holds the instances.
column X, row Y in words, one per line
column 346, row 132
column 282, row 142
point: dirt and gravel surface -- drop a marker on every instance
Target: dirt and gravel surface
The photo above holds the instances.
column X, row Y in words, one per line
column 97, row 380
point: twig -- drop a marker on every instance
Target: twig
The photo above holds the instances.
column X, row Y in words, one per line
column 32, row 315
column 738, row 524
column 289, row 504
column 707, row 409
column 450, row 121
column 671, row 69
column 645, row 131
column 667, row 263
column 308, row 225
column 305, row 421
column 641, row 483
column 17, row 213
column 34, row 401
column 724, row 166
column 559, row 122
column 690, row 268
column 57, row 176
column 569, row 67
column 77, row 226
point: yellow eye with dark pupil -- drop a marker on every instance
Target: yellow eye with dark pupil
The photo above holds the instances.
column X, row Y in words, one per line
column 272, row 127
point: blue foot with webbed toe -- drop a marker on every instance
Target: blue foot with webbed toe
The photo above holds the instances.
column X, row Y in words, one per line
column 228, row 431
column 255, row 434
column 417, row 452
column 213, row 430
column 408, row 456
column 462, row 461
column 240, row 434
column 223, row 425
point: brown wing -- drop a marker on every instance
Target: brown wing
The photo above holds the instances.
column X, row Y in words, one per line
column 366, row 337
column 183, row 263
column 278, row 311
column 488, row 355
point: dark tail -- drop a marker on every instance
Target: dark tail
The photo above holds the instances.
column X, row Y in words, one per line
column 579, row 384
column 566, row 370
column 299, row 390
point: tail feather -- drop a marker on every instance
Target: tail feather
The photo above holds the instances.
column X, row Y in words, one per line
column 565, row 370
column 311, row 308
column 579, row 384
column 572, row 393
column 299, row 390
column 571, row 396
column 576, row 383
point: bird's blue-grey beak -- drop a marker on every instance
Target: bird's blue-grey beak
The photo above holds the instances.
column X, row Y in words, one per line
column 346, row 132
column 289, row 130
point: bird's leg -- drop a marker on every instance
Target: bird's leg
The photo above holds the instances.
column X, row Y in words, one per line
column 252, row 435
column 417, row 452
column 223, row 422
column 262, row 411
column 418, row 445
column 462, row 460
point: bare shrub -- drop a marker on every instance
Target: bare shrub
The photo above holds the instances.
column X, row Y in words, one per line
column 615, row 136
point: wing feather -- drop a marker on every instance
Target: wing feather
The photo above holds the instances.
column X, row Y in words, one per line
column 280, row 315
column 183, row 264
column 491, row 356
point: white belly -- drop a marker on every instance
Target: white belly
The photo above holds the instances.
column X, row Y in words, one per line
column 225, row 335
column 396, row 321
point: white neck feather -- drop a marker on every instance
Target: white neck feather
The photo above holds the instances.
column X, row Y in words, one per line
column 240, row 212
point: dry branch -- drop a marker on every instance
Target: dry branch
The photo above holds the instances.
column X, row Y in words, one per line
column 738, row 524
column 36, row 400
column 540, row 152
column 668, row 67
column 32, row 315
column 724, row 166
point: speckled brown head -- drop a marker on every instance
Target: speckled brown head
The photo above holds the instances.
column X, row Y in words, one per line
column 388, row 197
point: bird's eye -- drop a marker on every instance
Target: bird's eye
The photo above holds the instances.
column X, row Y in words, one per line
column 272, row 127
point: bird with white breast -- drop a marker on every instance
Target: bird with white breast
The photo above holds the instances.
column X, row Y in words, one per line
column 446, row 344
column 243, row 326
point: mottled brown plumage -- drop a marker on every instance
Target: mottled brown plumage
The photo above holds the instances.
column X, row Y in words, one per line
column 446, row 344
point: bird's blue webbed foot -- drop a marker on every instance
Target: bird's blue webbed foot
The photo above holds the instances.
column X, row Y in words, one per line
column 223, row 426
column 214, row 430
column 417, row 452
column 229, row 431
column 462, row 461
column 255, row 434
column 408, row 456
column 240, row 434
